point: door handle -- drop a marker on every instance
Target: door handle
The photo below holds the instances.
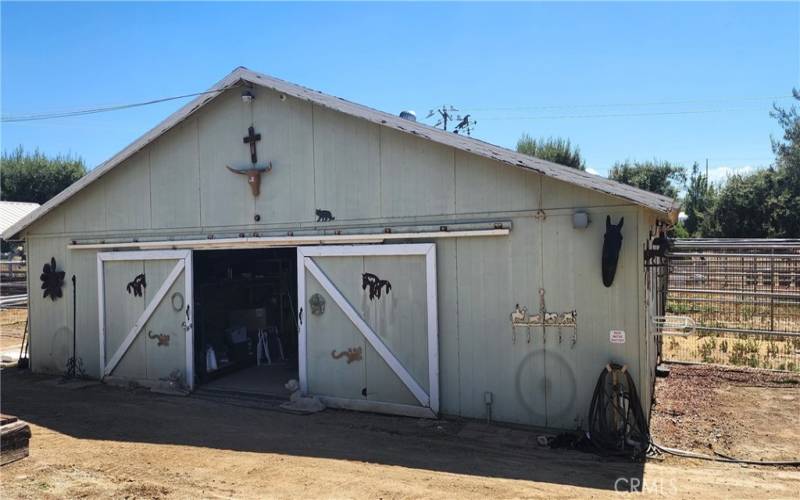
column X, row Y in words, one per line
column 187, row 323
column 300, row 316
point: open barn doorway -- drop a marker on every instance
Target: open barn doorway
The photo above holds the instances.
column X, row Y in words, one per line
column 245, row 320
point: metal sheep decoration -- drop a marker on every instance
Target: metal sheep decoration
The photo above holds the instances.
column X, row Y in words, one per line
column 612, row 243
column 52, row 280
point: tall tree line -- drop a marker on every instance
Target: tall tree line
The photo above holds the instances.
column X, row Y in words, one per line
column 761, row 204
column 35, row 177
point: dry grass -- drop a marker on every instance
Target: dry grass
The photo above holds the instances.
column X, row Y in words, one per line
column 754, row 351
column 12, row 326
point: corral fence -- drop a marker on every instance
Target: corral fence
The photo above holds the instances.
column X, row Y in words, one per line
column 743, row 295
column 13, row 284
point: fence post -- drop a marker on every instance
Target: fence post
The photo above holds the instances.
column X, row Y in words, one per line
column 772, row 291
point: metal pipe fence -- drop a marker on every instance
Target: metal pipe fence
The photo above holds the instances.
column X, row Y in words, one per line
column 744, row 296
column 13, row 284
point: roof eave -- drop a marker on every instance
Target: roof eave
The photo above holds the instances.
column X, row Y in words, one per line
column 175, row 118
column 652, row 201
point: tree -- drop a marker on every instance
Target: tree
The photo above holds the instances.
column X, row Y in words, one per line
column 766, row 203
column 34, row 177
column 654, row 176
column 556, row 150
column 786, row 216
column 678, row 231
column 698, row 201
column 739, row 210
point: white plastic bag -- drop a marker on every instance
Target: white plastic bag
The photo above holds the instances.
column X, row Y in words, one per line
column 211, row 360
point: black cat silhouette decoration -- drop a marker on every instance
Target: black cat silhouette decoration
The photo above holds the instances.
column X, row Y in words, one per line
column 324, row 215
column 612, row 243
column 52, row 280
column 136, row 285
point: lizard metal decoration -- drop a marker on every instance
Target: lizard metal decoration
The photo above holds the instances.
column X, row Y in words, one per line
column 353, row 354
column 163, row 339
column 52, row 280
column 375, row 285
column 137, row 285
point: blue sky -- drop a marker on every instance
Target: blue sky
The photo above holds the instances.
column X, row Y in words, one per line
column 549, row 69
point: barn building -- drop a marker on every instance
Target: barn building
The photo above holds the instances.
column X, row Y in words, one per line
column 267, row 231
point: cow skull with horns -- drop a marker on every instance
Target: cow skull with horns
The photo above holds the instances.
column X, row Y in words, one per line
column 253, row 174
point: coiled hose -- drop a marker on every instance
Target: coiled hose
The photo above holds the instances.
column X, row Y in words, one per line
column 618, row 427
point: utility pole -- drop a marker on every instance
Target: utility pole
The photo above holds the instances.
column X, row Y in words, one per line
column 706, row 169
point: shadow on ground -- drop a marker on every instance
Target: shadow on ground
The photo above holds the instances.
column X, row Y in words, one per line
column 101, row 412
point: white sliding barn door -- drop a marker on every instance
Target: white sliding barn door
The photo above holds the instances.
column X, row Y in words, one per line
column 146, row 337
column 374, row 345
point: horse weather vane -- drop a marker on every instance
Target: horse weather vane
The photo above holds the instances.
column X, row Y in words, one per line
column 464, row 125
column 253, row 172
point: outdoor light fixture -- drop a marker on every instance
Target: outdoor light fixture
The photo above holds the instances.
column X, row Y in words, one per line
column 247, row 96
column 580, row 220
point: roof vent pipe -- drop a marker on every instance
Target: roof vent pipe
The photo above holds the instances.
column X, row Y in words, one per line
column 408, row 115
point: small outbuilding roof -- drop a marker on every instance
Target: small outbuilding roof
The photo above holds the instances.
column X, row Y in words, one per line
column 662, row 204
column 11, row 212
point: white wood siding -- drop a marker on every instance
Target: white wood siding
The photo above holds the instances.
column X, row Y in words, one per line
column 175, row 174
column 372, row 176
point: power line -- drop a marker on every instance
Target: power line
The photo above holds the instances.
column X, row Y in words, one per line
column 616, row 115
column 628, row 104
column 105, row 109
column 91, row 111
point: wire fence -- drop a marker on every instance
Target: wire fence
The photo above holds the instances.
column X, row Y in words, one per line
column 13, row 284
column 744, row 296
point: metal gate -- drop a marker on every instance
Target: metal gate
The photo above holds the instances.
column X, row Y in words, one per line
column 744, row 296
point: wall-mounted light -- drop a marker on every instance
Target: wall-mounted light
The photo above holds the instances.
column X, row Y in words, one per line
column 580, row 220
column 247, row 96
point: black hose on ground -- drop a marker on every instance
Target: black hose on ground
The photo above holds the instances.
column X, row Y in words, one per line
column 700, row 456
column 617, row 424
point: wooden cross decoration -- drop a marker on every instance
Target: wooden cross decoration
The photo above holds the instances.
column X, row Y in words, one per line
column 251, row 138
column 254, row 172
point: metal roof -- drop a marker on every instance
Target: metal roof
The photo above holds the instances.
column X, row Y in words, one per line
column 662, row 204
column 12, row 212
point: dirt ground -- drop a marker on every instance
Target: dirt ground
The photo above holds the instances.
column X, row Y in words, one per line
column 102, row 441
column 749, row 414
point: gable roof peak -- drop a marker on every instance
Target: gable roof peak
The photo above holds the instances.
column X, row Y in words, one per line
column 655, row 202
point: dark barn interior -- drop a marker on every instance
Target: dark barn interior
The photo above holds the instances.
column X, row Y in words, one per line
column 245, row 319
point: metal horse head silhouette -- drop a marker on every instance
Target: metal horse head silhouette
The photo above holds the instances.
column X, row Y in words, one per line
column 612, row 243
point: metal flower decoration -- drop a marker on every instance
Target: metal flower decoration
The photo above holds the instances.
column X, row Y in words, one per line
column 52, row 280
